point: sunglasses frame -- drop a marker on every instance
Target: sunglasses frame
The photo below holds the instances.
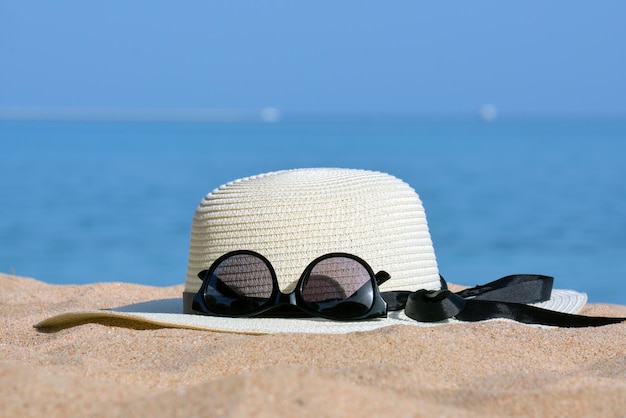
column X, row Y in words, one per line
column 293, row 299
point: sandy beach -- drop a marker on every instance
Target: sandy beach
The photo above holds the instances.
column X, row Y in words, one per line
column 496, row 368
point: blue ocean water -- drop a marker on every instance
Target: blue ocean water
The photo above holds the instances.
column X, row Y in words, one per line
column 113, row 201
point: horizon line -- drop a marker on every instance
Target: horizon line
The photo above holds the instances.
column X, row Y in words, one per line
column 265, row 114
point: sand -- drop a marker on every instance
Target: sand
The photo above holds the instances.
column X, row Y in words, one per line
column 496, row 368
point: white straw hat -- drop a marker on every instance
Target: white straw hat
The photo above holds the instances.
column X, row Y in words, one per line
column 292, row 217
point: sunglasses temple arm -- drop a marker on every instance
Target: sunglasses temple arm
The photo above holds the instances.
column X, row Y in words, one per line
column 382, row 277
column 220, row 286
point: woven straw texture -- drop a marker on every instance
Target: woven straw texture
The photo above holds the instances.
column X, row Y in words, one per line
column 294, row 216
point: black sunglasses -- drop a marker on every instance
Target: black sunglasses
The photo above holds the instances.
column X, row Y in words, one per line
column 336, row 286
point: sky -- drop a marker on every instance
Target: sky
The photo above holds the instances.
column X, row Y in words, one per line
column 315, row 56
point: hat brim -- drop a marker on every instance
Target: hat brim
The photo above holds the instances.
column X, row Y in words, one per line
column 168, row 313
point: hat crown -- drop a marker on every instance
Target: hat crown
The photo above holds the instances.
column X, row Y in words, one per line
column 294, row 216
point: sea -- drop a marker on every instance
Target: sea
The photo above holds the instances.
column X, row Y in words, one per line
column 85, row 201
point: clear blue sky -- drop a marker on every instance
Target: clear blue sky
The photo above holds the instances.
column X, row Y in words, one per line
column 340, row 55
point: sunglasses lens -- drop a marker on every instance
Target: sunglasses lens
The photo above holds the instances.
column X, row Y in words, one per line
column 239, row 285
column 340, row 287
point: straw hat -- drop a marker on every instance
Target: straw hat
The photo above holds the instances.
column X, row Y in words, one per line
column 292, row 217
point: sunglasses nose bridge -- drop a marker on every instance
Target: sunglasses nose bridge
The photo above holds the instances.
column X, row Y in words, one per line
column 286, row 299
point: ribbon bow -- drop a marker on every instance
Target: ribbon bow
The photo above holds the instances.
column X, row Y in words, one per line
column 503, row 298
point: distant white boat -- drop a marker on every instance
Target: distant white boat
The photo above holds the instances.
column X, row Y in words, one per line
column 488, row 112
column 270, row 114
